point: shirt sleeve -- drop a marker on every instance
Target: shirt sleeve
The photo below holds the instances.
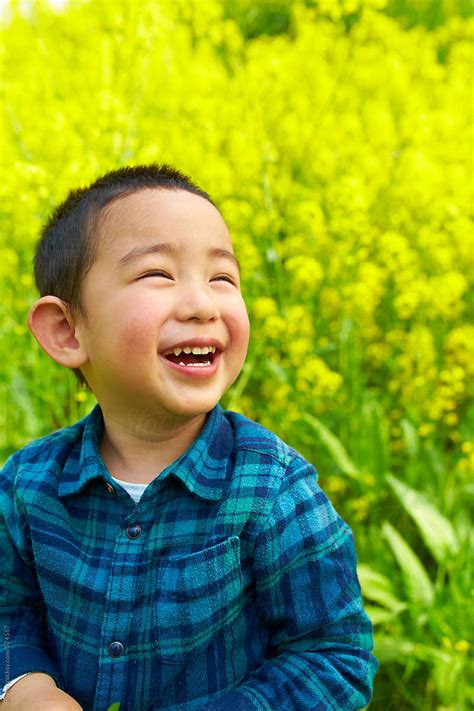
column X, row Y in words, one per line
column 10, row 684
column 309, row 598
column 24, row 645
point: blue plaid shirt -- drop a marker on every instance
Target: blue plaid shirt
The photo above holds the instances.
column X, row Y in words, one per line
column 231, row 584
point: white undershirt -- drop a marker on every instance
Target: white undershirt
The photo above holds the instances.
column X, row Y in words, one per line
column 135, row 490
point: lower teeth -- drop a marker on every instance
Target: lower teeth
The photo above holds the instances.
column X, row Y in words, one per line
column 195, row 365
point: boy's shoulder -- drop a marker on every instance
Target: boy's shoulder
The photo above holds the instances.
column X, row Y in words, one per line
column 47, row 453
column 254, row 437
column 267, row 466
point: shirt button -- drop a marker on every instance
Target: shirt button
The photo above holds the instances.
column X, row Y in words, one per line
column 110, row 488
column 134, row 531
column 116, row 649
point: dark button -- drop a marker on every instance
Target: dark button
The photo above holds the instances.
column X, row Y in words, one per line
column 116, row 649
column 134, row 531
column 110, row 488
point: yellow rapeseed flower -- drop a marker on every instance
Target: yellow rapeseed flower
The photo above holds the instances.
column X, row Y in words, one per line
column 264, row 307
column 451, row 419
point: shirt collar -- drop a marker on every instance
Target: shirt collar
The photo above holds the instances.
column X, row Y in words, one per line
column 203, row 467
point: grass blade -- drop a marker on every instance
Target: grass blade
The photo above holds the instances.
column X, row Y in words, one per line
column 410, row 437
column 391, row 649
column 378, row 588
column 437, row 532
column 334, row 446
column 419, row 587
column 379, row 615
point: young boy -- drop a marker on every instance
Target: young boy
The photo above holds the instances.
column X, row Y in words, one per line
column 162, row 552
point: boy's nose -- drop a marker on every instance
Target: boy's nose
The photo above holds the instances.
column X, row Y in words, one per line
column 197, row 303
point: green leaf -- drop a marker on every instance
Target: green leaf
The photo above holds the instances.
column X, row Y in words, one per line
column 397, row 649
column 392, row 649
column 437, row 532
column 277, row 370
column 334, row 446
column 379, row 615
column 448, row 679
column 418, row 585
column 410, row 437
column 378, row 587
column 114, row 707
column 373, row 444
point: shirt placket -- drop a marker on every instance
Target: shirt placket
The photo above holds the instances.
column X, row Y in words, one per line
column 113, row 663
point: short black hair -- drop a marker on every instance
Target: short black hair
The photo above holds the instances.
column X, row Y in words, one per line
column 68, row 245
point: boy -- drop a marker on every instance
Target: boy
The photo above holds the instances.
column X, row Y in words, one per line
column 162, row 552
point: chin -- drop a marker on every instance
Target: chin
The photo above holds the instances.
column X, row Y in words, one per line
column 194, row 408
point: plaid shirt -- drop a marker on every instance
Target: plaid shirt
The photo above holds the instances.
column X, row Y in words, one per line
column 231, row 584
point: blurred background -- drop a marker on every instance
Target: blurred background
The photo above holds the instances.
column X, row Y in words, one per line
column 336, row 137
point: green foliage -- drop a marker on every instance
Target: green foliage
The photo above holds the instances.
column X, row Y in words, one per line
column 430, row 13
column 417, row 583
column 335, row 136
column 333, row 445
column 436, row 529
column 270, row 17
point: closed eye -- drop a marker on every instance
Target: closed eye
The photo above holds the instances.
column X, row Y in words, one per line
column 156, row 273
column 223, row 277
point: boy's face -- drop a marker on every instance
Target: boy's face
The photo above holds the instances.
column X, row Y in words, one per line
column 142, row 299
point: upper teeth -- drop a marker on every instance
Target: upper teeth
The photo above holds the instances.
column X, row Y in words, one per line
column 194, row 349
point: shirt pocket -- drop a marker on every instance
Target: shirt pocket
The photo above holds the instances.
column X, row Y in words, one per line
column 198, row 597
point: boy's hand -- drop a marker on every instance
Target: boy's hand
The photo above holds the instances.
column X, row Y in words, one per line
column 38, row 692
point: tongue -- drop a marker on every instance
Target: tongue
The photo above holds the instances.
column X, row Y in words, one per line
column 188, row 358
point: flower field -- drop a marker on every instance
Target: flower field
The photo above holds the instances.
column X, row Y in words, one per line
column 336, row 137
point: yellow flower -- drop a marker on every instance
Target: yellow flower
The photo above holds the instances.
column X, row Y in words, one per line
column 330, row 302
column 467, row 464
column 306, row 272
column 459, row 347
column 451, row 419
column 264, row 307
column 317, row 379
column 425, row 429
column 274, row 327
column 335, row 485
column 299, row 349
column 446, row 294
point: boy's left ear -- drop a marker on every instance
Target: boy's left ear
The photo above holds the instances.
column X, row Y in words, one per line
column 51, row 323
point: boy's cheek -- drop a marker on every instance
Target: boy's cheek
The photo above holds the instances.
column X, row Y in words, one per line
column 132, row 337
column 241, row 328
column 136, row 338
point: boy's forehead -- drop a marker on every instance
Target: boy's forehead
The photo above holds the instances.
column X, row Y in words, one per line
column 161, row 213
column 160, row 222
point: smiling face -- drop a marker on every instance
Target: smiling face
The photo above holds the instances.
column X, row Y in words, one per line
column 164, row 279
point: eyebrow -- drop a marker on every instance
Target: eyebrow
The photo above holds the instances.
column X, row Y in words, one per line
column 168, row 248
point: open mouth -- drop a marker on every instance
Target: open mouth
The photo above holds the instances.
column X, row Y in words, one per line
column 192, row 357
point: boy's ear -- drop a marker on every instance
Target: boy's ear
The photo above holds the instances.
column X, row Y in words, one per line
column 51, row 323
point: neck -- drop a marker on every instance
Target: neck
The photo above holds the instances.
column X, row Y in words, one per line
column 139, row 451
